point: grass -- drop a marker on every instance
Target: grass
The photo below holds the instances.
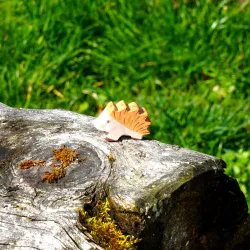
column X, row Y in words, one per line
column 186, row 61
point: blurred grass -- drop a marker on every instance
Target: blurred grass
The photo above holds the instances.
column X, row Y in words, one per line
column 186, row 61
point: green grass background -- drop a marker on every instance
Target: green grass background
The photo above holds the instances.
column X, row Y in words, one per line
column 187, row 62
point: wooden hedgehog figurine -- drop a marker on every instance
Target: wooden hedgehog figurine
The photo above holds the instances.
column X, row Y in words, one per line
column 122, row 119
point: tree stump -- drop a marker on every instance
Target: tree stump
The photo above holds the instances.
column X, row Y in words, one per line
column 183, row 197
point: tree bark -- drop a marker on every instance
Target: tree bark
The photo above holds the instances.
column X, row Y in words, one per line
column 184, row 197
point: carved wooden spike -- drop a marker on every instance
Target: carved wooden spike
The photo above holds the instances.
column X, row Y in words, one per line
column 111, row 107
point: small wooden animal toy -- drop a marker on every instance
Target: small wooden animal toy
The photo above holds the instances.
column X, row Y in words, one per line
column 122, row 119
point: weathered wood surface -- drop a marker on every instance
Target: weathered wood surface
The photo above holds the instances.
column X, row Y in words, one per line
column 186, row 200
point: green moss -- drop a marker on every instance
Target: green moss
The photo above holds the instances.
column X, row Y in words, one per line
column 162, row 193
column 111, row 158
column 105, row 230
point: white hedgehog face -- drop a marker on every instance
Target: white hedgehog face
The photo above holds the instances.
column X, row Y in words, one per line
column 102, row 122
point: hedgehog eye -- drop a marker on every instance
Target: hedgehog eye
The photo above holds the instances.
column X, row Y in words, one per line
column 108, row 121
